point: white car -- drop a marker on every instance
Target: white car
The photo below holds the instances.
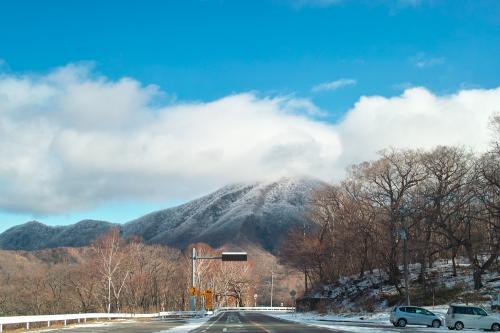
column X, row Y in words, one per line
column 459, row 317
column 412, row 315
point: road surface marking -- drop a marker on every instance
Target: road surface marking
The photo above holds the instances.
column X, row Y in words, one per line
column 261, row 327
column 210, row 326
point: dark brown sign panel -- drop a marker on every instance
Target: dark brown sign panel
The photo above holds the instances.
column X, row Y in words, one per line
column 234, row 256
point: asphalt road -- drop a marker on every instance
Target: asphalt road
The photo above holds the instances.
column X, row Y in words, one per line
column 248, row 322
column 239, row 322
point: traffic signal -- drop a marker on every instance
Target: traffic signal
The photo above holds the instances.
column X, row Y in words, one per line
column 209, row 305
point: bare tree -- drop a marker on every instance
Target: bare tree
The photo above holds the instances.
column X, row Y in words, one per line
column 387, row 183
column 482, row 243
column 109, row 258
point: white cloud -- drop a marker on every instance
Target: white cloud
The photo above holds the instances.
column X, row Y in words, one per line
column 333, row 85
column 422, row 60
column 417, row 119
column 70, row 140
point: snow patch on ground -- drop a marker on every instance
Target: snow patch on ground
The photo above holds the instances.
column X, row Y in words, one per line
column 353, row 293
column 192, row 323
column 84, row 325
column 369, row 323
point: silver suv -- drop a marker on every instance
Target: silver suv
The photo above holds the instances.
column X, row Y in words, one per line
column 412, row 315
column 462, row 316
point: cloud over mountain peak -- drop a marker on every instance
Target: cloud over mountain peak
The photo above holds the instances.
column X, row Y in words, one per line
column 71, row 139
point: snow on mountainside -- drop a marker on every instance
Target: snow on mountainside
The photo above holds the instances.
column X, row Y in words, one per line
column 258, row 213
column 373, row 292
column 255, row 214
column 35, row 235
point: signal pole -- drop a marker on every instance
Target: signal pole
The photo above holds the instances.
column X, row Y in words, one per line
column 226, row 256
column 192, row 300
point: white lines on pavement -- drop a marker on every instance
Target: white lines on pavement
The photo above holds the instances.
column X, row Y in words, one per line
column 216, row 320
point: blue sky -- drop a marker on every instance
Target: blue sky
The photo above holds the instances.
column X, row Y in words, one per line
column 204, row 51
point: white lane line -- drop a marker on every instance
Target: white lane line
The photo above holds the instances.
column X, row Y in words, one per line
column 210, row 326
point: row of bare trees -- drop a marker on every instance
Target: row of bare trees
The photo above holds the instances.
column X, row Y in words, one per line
column 445, row 201
column 112, row 275
column 116, row 275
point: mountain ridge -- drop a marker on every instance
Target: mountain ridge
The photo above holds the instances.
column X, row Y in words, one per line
column 258, row 213
column 34, row 235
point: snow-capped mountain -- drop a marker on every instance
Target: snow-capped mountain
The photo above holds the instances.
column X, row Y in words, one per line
column 257, row 214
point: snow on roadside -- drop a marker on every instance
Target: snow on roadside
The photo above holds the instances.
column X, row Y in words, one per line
column 191, row 324
column 370, row 323
column 86, row 325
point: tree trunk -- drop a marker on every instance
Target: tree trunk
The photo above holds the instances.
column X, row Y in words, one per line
column 454, row 264
column 478, row 284
column 423, row 267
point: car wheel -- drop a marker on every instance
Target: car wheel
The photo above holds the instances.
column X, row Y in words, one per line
column 402, row 322
column 395, row 324
column 495, row 327
column 436, row 323
column 459, row 326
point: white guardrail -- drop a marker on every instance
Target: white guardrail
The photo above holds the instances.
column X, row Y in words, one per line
column 83, row 317
column 257, row 309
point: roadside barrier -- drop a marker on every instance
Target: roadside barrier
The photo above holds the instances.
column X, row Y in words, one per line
column 257, row 309
column 83, row 317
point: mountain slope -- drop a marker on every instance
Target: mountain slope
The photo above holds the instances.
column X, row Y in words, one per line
column 35, row 235
column 243, row 215
column 258, row 213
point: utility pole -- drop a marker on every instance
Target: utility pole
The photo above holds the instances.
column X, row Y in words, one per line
column 305, row 268
column 109, row 293
column 404, row 236
column 272, row 284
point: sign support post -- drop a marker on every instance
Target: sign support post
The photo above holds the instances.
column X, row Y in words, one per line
column 226, row 256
